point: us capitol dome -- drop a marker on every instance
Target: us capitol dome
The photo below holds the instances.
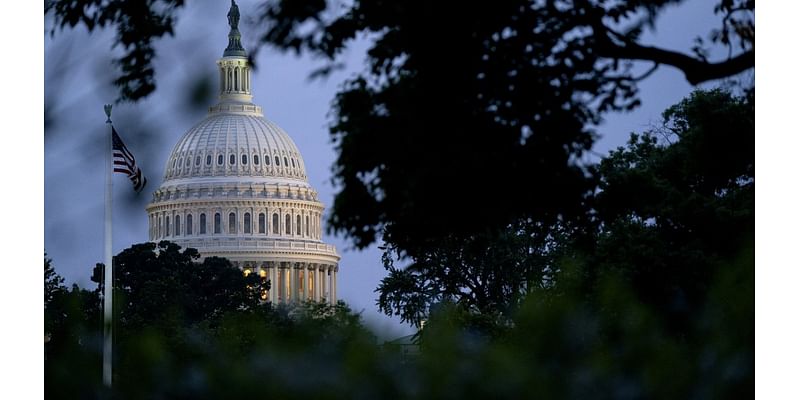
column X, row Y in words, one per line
column 235, row 186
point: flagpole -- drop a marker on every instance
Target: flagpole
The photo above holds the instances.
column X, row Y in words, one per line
column 108, row 281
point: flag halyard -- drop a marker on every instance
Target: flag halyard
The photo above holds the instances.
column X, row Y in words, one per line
column 125, row 163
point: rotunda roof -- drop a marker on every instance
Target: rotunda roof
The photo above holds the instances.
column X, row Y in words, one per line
column 236, row 144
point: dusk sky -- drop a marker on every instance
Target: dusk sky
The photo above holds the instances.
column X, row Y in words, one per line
column 78, row 76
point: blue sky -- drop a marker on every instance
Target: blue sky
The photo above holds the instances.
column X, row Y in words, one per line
column 77, row 83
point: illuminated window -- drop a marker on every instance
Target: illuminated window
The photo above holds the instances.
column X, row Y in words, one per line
column 203, row 224
column 217, row 223
column 288, row 224
column 231, row 223
column 189, row 224
column 262, row 223
column 247, row 223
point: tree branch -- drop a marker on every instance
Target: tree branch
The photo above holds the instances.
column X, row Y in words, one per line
column 696, row 71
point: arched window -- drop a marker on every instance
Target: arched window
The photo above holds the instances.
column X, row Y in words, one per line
column 306, row 225
column 208, row 159
column 277, row 161
column 189, row 224
column 247, row 223
column 220, row 159
column 231, row 223
column 177, row 225
column 244, row 159
column 217, row 223
column 275, row 229
column 188, row 161
column 285, row 161
column 293, row 163
column 297, row 227
column 197, row 161
column 255, row 159
column 174, row 163
column 262, row 223
column 288, row 224
column 266, row 160
column 203, row 224
column 236, row 78
column 166, row 226
column 232, row 159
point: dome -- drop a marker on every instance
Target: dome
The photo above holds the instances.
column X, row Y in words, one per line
column 235, row 186
column 238, row 146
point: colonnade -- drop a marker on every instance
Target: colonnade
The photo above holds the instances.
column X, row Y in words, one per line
column 296, row 281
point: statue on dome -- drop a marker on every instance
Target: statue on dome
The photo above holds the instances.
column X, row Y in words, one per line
column 233, row 16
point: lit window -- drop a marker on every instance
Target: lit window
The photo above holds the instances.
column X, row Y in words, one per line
column 288, row 224
column 255, row 159
column 217, row 223
column 208, row 159
column 232, row 159
column 275, row 229
column 203, row 224
column 244, row 159
column 177, row 225
column 262, row 223
column 220, row 159
column 231, row 223
column 189, row 224
column 247, row 223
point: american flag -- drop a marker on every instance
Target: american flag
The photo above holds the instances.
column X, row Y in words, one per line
column 125, row 163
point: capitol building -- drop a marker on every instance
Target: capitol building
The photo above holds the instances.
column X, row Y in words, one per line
column 235, row 186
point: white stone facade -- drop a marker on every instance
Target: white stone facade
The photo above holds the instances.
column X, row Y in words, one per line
column 235, row 186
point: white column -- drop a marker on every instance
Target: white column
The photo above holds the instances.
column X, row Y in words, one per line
column 292, row 282
column 334, row 297
column 273, row 290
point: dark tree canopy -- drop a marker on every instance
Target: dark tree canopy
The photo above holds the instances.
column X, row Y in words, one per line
column 470, row 116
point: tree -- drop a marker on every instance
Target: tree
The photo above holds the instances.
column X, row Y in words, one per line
column 53, row 283
column 485, row 275
column 160, row 285
column 468, row 115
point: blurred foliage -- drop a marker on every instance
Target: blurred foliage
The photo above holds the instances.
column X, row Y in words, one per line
column 558, row 344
